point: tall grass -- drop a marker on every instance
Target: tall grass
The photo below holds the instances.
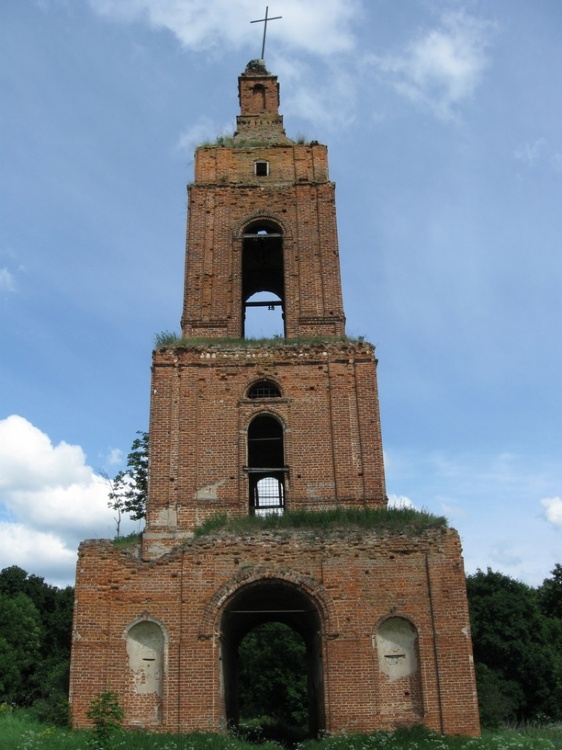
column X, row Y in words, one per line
column 19, row 732
column 398, row 520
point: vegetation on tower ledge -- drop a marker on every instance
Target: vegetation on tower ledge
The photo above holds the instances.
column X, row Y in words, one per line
column 167, row 339
column 385, row 520
column 229, row 141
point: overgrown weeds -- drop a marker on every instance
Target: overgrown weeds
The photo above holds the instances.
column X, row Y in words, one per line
column 19, row 732
column 167, row 339
column 397, row 520
column 129, row 540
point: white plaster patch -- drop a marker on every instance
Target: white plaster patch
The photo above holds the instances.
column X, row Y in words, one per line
column 145, row 648
column 396, row 647
column 168, row 517
column 210, row 492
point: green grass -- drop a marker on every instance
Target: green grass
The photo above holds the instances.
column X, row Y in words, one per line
column 398, row 520
column 18, row 731
column 130, row 540
column 230, row 142
column 168, row 339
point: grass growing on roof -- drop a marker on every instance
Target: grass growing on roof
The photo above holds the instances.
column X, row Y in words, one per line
column 406, row 520
column 168, row 339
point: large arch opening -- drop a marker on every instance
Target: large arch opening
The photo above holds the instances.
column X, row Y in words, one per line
column 266, row 465
column 263, row 286
column 274, row 609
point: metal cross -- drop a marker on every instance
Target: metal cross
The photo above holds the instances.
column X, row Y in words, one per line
column 264, row 21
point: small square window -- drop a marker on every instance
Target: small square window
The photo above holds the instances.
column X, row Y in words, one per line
column 261, row 168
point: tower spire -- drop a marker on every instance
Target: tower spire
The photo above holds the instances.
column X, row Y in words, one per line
column 265, row 22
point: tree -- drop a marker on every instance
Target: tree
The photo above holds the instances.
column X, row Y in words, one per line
column 129, row 488
column 272, row 675
column 517, row 650
column 20, row 641
column 550, row 593
column 35, row 636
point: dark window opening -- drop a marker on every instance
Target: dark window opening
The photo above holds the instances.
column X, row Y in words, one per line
column 266, row 466
column 261, row 168
column 263, row 288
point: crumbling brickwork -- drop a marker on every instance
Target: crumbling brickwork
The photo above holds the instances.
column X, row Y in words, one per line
column 354, row 582
column 251, row 427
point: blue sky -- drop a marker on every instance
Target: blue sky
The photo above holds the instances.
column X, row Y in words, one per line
column 443, row 120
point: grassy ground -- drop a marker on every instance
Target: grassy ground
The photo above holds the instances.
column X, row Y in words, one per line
column 19, row 732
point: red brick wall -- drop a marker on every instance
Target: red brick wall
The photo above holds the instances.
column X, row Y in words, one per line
column 224, row 199
column 354, row 579
column 200, row 416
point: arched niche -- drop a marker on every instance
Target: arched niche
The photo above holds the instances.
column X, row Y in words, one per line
column 400, row 692
column 146, row 652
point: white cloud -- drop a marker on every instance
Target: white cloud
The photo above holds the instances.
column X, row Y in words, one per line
column 400, row 501
column 7, row 281
column 202, row 130
column 319, row 27
column 530, row 152
column 443, row 66
column 40, row 553
column 491, row 499
column 115, row 457
column 49, row 499
column 553, row 510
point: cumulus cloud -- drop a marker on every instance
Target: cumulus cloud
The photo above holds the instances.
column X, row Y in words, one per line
column 443, row 66
column 50, row 500
column 400, row 502
column 319, row 27
column 319, row 30
column 553, row 510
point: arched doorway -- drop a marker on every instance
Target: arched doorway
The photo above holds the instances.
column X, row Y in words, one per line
column 273, row 601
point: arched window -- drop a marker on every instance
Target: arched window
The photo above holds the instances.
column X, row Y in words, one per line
column 264, row 389
column 263, row 286
column 266, row 465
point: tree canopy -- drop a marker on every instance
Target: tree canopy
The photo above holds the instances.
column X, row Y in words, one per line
column 517, row 642
column 35, row 636
column 129, row 488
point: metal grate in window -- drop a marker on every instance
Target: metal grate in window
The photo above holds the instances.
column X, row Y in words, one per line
column 264, row 389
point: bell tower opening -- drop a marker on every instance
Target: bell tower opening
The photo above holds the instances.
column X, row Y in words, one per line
column 263, row 286
column 266, row 466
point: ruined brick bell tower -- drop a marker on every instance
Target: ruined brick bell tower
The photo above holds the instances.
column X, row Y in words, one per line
column 293, row 423
column 242, row 426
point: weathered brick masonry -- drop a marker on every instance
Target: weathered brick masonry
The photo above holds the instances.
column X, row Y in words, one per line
column 252, row 427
